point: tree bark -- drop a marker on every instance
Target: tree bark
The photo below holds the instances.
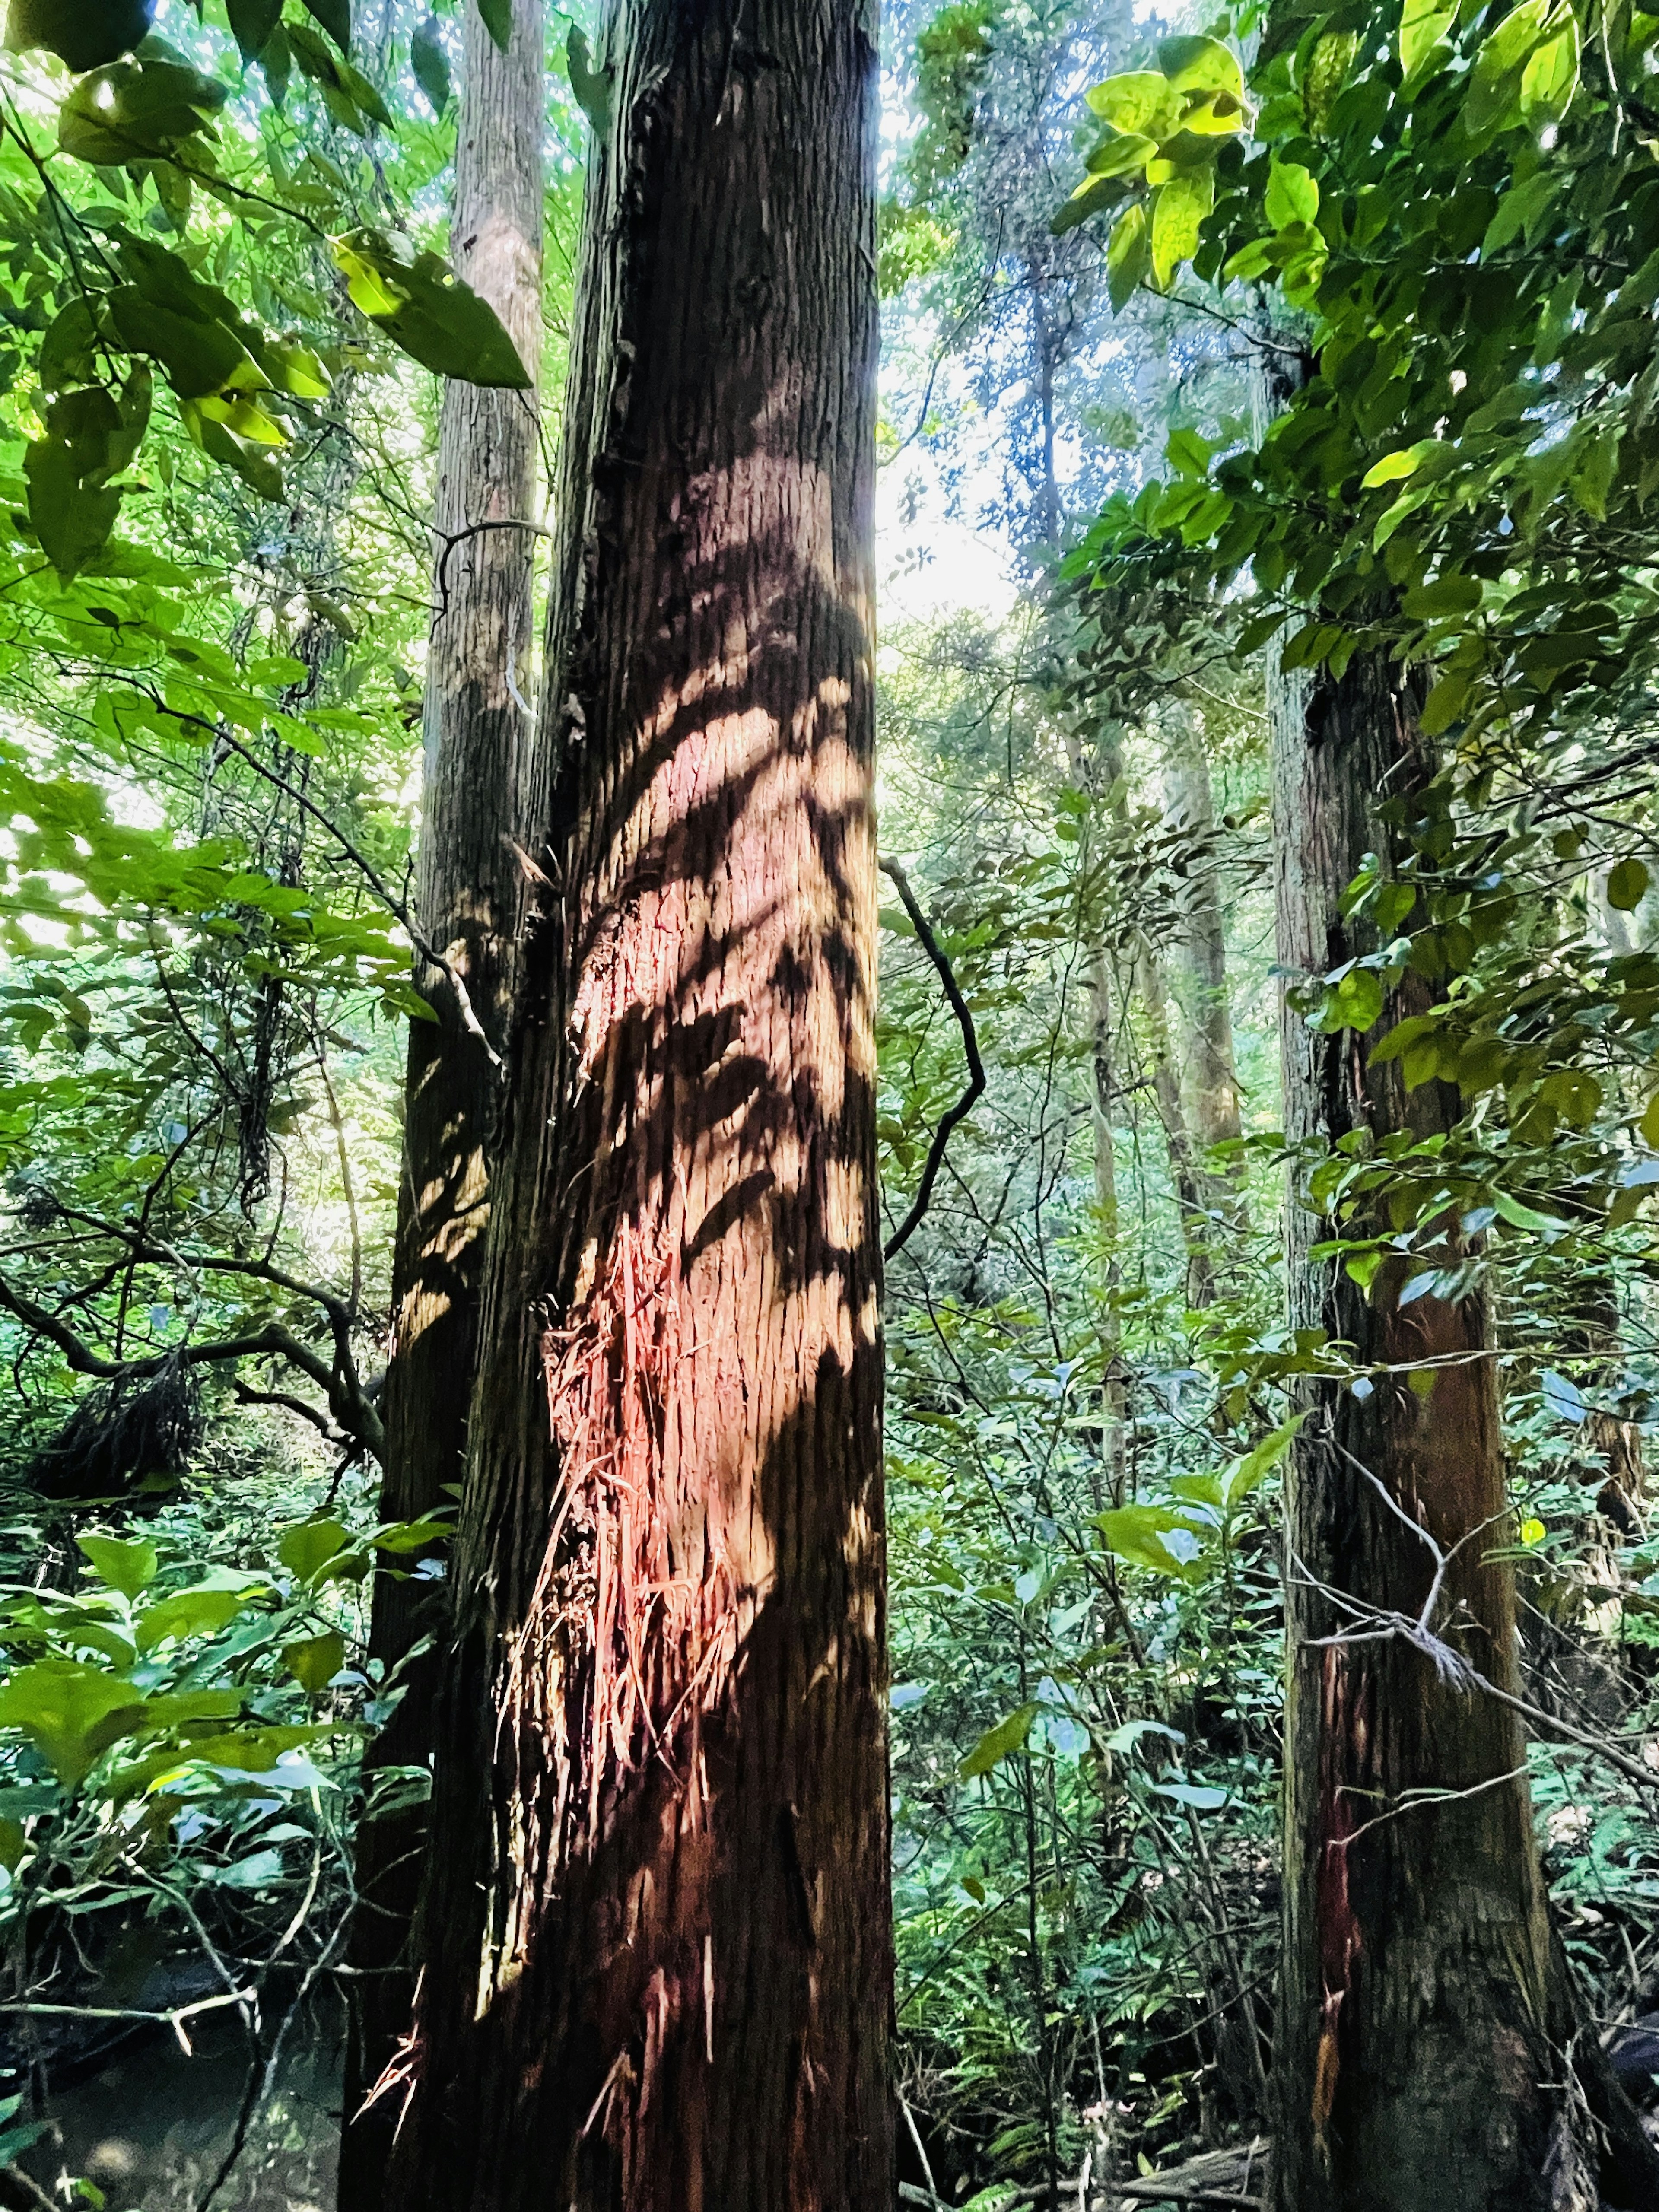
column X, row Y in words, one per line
column 1212, row 1067
column 1428, row 2052
column 655, row 1945
column 479, row 739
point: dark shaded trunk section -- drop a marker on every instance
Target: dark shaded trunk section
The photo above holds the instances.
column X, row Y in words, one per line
column 479, row 745
column 655, row 1947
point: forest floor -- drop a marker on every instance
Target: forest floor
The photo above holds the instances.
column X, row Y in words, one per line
column 153, row 2129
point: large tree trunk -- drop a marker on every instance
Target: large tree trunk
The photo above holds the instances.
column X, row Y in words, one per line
column 655, row 1946
column 479, row 741
column 1428, row 2053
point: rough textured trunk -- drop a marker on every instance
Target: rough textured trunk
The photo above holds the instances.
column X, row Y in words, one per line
column 479, row 741
column 1428, row 2053
column 1212, row 1074
column 654, row 1946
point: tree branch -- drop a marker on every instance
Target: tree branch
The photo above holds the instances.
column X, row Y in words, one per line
column 964, row 1105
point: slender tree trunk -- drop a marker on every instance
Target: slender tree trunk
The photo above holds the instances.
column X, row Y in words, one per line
column 479, row 739
column 1185, row 1170
column 1212, row 1065
column 654, row 1944
column 1428, row 2052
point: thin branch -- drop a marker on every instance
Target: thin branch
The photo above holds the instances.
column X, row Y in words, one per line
column 964, row 1105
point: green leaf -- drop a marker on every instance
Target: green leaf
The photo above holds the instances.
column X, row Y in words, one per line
column 134, row 111
column 70, row 1712
column 314, row 1661
column 1129, row 256
column 1627, row 885
column 252, row 22
column 1292, row 195
column 1143, row 103
column 1191, row 1794
column 1550, row 77
column 1649, row 1124
column 1494, row 82
column 1200, row 64
column 1093, row 197
column 1449, row 594
column 335, row 16
column 497, row 20
column 1520, row 210
column 425, row 308
column 72, row 518
column 307, row 1548
column 430, row 63
column 127, row 1567
column 999, row 1743
column 1445, row 701
column 591, row 86
column 83, row 34
column 1178, row 213
column 1392, row 467
column 1257, row 1464
column 202, row 1610
column 1424, row 26
column 1155, row 1536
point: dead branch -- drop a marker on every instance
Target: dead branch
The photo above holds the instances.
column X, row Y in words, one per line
column 964, row 1105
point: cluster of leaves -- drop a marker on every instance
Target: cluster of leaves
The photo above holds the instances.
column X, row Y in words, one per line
column 112, row 307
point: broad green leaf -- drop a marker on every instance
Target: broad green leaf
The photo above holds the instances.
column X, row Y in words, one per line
column 199, row 1611
column 1627, row 885
column 71, row 516
column 999, row 1743
column 335, row 16
column 1292, row 195
column 70, row 1712
column 1520, row 210
column 1178, row 213
column 1129, row 256
column 497, row 20
column 1093, row 197
column 314, row 1661
column 1520, row 1216
column 198, row 356
column 1550, row 77
column 134, row 111
column 425, row 308
column 1200, row 64
column 1155, row 1536
column 430, row 63
column 1392, row 467
column 1649, row 1124
column 1494, row 82
column 1143, row 103
column 84, row 33
column 1258, row 1463
column 1424, row 28
column 252, row 23
column 1121, row 156
column 124, row 1566
column 1449, row 594
column 308, row 1548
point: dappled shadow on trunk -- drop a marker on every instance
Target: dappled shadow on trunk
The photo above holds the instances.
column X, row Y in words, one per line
column 654, row 1948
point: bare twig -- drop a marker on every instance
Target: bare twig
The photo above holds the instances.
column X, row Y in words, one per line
column 964, row 1105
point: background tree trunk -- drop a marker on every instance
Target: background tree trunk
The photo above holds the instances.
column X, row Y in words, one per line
column 1428, row 2055
column 1212, row 1072
column 479, row 740
column 655, row 1942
